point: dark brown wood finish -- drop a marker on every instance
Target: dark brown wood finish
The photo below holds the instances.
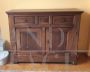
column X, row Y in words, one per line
column 44, row 35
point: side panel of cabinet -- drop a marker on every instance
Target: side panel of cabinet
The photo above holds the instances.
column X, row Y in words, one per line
column 12, row 45
column 73, row 35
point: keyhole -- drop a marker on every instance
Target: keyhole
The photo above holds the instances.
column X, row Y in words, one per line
column 26, row 20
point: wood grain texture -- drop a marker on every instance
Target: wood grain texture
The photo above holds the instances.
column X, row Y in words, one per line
column 52, row 33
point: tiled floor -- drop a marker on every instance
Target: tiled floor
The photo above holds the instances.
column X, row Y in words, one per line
column 83, row 65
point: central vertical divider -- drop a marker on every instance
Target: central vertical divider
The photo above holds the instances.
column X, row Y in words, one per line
column 50, row 33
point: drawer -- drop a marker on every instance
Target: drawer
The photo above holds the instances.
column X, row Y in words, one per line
column 39, row 57
column 25, row 19
column 29, row 57
column 62, row 19
column 56, row 57
column 43, row 19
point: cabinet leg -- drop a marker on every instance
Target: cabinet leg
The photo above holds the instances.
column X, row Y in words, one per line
column 15, row 62
column 12, row 58
column 74, row 62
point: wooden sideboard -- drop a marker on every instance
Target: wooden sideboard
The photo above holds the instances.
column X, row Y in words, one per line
column 44, row 35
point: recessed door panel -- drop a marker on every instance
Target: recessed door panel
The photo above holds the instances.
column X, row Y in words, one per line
column 29, row 39
column 56, row 38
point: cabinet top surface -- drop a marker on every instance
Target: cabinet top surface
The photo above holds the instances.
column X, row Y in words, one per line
column 43, row 10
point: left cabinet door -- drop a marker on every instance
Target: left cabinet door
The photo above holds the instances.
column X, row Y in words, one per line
column 30, row 39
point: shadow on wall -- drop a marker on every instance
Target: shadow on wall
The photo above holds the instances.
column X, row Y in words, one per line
column 6, row 45
column 89, row 34
column 84, row 32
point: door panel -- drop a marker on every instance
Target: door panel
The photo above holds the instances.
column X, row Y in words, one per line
column 30, row 39
column 56, row 38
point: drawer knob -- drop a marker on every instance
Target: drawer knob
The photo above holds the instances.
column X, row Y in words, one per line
column 63, row 20
column 56, row 56
column 26, row 20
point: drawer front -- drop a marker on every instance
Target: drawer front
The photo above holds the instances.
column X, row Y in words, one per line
column 50, row 57
column 24, row 19
column 62, row 19
column 61, row 57
column 56, row 57
column 29, row 57
column 43, row 20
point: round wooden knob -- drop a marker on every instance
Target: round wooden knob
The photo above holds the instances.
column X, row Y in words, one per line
column 56, row 56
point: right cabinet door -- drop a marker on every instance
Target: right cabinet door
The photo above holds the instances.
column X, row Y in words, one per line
column 56, row 38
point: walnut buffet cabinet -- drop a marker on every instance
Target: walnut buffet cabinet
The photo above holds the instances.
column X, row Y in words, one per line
column 44, row 35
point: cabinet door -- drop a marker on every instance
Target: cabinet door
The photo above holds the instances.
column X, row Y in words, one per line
column 30, row 39
column 56, row 38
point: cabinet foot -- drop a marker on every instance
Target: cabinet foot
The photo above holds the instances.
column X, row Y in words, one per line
column 74, row 62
